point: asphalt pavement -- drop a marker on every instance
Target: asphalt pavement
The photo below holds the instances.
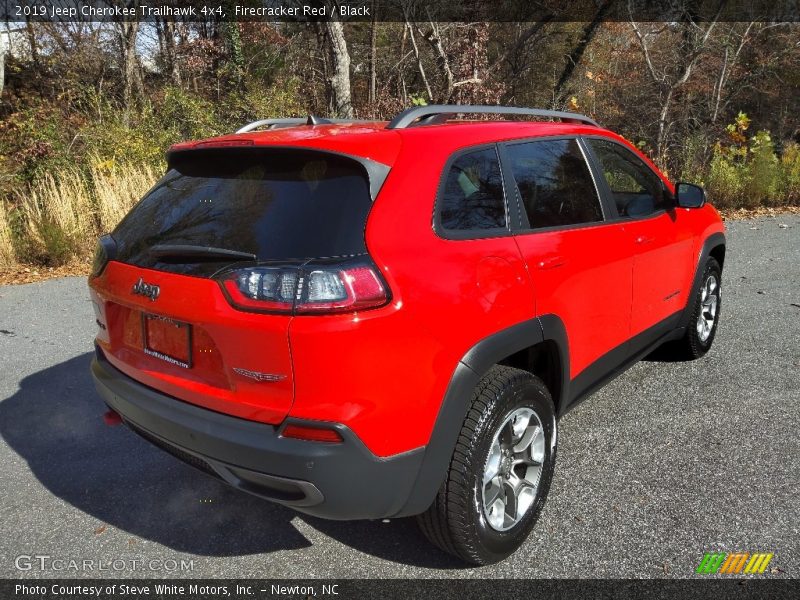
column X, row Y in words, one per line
column 667, row 462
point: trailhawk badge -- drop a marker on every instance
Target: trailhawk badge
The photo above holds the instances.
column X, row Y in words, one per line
column 148, row 290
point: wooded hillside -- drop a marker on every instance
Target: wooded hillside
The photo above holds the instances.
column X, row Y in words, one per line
column 87, row 110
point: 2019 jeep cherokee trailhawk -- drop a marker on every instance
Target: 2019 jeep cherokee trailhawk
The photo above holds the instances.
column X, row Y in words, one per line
column 367, row 320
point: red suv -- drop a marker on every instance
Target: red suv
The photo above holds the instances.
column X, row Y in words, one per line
column 363, row 320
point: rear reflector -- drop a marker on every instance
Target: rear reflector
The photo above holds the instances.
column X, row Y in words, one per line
column 112, row 418
column 312, row 434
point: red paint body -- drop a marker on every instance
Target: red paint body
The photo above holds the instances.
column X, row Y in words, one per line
column 383, row 372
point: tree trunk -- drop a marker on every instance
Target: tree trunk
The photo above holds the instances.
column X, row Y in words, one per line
column 340, row 78
column 131, row 79
column 2, row 67
column 373, row 51
column 171, row 53
column 419, row 62
column 434, row 39
column 32, row 41
column 577, row 52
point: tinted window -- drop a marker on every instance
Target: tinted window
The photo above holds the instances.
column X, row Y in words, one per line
column 637, row 191
column 554, row 183
column 473, row 193
column 277, row 205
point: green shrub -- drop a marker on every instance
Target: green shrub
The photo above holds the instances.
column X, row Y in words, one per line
column 747, row 173
column 763, row 170
column 790, row 170
column 725, row 180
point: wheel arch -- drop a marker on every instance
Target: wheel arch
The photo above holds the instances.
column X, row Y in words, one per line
column 718, row 252
column 714, row 246
column 537, row 345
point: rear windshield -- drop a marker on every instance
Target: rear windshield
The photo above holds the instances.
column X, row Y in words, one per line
column 274, row 204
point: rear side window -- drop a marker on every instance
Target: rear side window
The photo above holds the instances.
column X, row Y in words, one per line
column 473, row 198
column 274, row 204
column 637, row 191
column 554, row 183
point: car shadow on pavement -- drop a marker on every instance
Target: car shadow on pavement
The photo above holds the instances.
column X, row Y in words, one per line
column 54, row 421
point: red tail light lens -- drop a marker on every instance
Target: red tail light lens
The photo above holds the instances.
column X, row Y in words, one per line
column 312, row 289
column 313, row 434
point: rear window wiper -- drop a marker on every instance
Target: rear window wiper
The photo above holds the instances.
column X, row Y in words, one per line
column 179, row 251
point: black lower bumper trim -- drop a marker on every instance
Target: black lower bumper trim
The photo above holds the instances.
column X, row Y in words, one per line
column 336, row 481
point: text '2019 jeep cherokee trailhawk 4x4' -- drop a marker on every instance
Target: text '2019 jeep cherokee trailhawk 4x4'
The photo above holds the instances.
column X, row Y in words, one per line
column 367, row 320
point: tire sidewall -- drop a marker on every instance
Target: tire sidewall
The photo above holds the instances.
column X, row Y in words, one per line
column 711, row 268
column 525, row 393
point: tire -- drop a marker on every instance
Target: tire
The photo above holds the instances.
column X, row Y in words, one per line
column 698, row 339
column 458, row 521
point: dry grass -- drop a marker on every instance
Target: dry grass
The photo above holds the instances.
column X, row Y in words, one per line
column 62, row 214
column 58, row 219
column 117, row 191
column 58, row 215
column 7, row 258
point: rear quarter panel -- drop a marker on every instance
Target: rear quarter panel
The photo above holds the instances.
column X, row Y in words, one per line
column 384, row 372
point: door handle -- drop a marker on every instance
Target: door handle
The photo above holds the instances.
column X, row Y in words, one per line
column 552, row 262
column 643, row 239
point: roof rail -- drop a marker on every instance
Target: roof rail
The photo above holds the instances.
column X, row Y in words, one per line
column 438, row 113
column 294, row 122
column 271, row 124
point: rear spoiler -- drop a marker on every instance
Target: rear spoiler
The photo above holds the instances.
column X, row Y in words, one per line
column 376, row 171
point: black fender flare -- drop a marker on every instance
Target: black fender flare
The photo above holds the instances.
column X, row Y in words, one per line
column 713, row 241
column 455, row 404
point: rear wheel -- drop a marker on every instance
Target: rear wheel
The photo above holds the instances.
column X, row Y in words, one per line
column 500, row 472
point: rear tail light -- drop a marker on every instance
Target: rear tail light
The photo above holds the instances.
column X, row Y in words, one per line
column 262, row 288
column 311, row 289
column 313, row 434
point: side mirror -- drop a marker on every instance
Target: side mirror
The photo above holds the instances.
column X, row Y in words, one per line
column 688, row 195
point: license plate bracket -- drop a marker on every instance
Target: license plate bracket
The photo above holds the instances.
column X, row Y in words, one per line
column 167, row 339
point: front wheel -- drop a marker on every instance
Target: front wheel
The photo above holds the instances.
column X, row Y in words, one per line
column 705, row 315
column 500, row 471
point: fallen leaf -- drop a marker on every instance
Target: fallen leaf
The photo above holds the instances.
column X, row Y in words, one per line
column 100, row 530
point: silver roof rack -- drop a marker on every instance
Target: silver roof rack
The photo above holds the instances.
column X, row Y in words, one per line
column 294, row 122
column 271, row 124
column 439, row 113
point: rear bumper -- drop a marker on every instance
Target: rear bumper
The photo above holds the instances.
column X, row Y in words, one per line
column 335, row 481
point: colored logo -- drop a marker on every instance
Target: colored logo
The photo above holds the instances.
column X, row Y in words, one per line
column 734, row 562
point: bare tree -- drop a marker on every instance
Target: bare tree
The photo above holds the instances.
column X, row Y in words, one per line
column 131, row 78
column 340, row 101
column 373, row 51
column 418, row 56
column 166, row 38
column 676, row 65
column 576, row 54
